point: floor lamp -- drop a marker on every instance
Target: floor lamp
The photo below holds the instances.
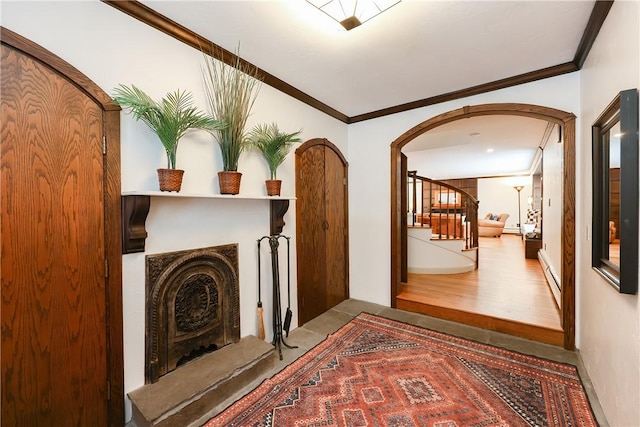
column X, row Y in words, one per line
column 519, row 189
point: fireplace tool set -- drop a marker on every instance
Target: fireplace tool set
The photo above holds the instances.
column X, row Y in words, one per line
column 278, row 325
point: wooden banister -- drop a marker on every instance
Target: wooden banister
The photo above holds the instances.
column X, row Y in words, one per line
column 451, row 212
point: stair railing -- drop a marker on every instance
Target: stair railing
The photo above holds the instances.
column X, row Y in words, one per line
column 451, row 212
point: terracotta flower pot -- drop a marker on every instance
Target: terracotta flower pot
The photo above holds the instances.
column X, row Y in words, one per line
column 229, row 182
column 273, row 187
column 170, row 179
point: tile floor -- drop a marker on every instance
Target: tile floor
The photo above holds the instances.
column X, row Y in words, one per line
column 313, row 332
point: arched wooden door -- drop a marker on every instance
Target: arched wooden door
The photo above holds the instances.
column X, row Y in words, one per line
column 322, row 231
column 61, row 275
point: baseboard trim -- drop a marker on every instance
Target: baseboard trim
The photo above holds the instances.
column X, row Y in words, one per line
column 553, row 280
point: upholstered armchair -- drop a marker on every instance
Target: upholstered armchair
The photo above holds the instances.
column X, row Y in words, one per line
column 488, row 227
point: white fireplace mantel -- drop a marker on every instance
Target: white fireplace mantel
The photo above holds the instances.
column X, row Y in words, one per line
column 157, row 193
column 136, row 204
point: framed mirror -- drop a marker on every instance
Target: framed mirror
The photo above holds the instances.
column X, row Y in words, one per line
column 615, row 193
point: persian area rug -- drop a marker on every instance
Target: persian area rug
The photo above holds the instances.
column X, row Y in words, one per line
column 379, row 372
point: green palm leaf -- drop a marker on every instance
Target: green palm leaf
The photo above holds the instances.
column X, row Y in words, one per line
column 170, row 118
column 273, row 144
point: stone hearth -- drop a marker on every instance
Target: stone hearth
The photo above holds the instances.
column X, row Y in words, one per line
column 181, row 397
column 194, row 355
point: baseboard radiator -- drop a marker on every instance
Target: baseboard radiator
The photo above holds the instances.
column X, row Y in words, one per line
column 553, row 280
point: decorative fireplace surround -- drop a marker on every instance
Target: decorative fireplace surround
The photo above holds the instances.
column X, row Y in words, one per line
column 192, row 306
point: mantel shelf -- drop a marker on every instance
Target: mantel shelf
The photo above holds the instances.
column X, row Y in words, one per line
column 136, row 204
column 157, row 193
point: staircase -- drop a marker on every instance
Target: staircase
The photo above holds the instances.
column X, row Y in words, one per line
column 427, row 255
column 451, row 215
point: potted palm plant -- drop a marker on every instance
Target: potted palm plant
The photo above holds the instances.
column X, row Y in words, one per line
column 231, row 91
column 169, row 118
column 274, row 145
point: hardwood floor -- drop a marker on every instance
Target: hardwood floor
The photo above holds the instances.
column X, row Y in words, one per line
column 507, row 293
column 614, row 252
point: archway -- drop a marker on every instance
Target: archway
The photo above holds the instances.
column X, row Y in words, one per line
column 563, row 118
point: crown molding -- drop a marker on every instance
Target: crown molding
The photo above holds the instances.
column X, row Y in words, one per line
column 556, row 70
column 598, row 15
column 160, row 22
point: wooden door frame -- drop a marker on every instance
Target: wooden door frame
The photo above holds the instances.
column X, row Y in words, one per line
column 113, row 241
column 301, row 149
column 568, row 123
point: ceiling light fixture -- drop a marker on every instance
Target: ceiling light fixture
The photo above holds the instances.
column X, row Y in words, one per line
column 352, row 13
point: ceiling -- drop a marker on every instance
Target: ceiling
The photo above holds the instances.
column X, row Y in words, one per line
column 419, row 52
column 481, row 146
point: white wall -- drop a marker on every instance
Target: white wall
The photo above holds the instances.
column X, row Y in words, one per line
column 552, row 201
column 497, row 196
column 111, row 48
column 370, row 169
column 610, row 322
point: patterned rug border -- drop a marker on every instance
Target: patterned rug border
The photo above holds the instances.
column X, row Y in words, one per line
column 474, row 341
column 446, row 337
column 567, row 364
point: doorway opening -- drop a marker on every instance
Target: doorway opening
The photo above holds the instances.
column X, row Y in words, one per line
column 567, row 122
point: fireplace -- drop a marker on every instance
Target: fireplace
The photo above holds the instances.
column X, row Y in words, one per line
column 192, row 306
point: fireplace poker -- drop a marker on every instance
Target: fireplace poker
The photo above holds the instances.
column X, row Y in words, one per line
column 278, row 339
column 260, row 309
column 289, row 314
